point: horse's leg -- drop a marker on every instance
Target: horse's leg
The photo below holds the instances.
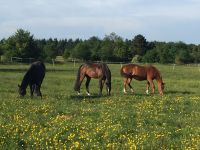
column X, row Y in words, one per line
column 31, row 89
column 147, row 89
column 129, row 84
column 82, row 76
column 38, row 91
column 124, row 85
column 107, row 87
column 152, row 85
column 100, row 86
column 87, row 85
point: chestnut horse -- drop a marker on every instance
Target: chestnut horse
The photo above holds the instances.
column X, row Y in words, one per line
column 97, row 71
column 148, row 72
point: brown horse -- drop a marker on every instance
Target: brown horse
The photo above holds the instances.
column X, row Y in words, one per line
column 140, row 73
column 97, row 71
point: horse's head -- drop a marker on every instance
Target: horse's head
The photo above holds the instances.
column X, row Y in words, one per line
column 21, row 90
column 162, row 86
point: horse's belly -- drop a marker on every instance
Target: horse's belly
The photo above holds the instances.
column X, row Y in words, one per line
column 140, row 78
column 93, row 75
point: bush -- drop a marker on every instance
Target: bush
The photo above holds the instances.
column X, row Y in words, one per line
column 136, row 59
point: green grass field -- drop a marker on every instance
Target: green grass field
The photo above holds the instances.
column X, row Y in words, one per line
column 63, row 120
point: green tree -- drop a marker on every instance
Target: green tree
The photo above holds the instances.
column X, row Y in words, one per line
column 196, row 54
column 183, row 53
column 21, row 44
column 1, row 47
column 183, row 57
column 167, row 54
column 120, row 52
column 106, row 51
column 69, row 46
column 94, row 45
column 139, row 45
column 129, row 52
column 51, row 48
column 151, row 56
column 81, row 51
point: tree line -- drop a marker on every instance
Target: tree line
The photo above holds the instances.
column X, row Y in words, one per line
column 111, row 48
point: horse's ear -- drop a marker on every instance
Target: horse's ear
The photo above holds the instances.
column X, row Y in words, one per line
column 19, row 86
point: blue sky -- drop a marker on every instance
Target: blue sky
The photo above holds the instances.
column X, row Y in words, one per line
column 160, row 20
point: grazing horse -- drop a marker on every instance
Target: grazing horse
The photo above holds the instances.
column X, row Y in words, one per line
column 148, row 72
column 33, row 77
column 97, row 71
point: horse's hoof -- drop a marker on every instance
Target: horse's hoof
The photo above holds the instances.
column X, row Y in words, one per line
column 88, row 94
column 79, row 93
column 147, row 92
column 124, row 91
column 161, row 94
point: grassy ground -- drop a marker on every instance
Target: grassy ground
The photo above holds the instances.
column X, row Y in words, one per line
column 63, row 120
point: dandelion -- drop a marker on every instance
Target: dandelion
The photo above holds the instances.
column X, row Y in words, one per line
column 76, row 144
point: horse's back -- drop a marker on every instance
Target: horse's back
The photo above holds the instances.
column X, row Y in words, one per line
column 39, row 65
column 133, row 71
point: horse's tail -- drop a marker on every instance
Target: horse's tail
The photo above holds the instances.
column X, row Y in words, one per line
column 77, row 83
column 107, row 75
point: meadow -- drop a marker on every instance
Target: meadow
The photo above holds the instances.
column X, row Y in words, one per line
column 64, row 120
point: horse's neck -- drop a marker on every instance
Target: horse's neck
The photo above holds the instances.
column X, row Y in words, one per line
column 25, row 81
column 159, row 78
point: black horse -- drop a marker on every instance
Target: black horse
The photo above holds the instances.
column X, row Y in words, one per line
column 33, row 77
column 97, row 71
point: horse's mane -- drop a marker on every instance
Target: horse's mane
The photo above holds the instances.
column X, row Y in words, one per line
column 25, row 80
column 158, row 76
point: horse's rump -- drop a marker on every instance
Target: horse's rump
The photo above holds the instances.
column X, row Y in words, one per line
column 37, row 71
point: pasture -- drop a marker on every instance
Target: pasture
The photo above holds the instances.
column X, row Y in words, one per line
column 63, row 120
